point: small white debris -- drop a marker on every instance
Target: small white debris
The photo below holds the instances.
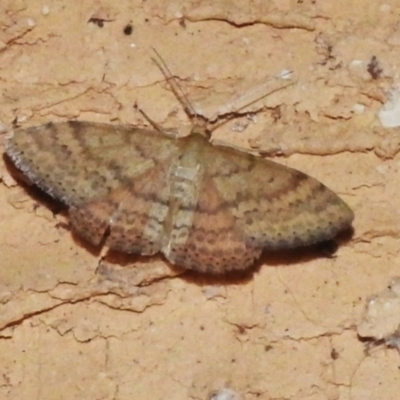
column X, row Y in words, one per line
column 31, row 22
column 381, row 317
column 286, row 74
column 358, row 108
column 389, row 114
column 224, row 394
column 45, row 10
column 356, row 63
column 382, row 169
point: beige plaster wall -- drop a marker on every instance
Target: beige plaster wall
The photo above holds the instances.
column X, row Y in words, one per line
column 73, row 325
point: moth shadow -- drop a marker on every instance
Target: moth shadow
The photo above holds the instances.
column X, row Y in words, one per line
column 325, row 249
column 190, row 276
column 114, row 257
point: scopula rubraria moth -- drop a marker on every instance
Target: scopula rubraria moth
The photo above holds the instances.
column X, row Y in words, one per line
column 206, row 208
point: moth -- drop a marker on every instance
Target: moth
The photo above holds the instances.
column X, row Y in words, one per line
column 207, row 208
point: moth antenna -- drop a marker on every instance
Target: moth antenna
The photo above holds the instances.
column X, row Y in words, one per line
column 176, row 89
column 190, row 111
column 230, row 107
column 149, row 120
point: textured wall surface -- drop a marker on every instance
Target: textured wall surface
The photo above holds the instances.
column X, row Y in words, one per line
column 78, row 323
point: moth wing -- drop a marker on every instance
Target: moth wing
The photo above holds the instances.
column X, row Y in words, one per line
column 244, row 204
column 114, row 178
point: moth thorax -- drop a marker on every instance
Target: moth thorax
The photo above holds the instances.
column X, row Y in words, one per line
column 184, row 180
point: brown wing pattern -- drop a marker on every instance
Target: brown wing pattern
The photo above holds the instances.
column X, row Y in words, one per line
column 206, row 208
column 243, row 204
column 275, row 206
column 114, row 178
column 205, row 236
